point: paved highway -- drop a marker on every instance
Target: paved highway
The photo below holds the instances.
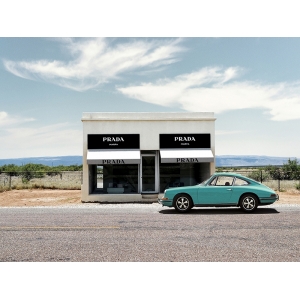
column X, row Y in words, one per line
column 148, row 232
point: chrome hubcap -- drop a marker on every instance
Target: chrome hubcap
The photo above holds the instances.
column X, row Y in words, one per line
column 182, row 203
column 249, row 203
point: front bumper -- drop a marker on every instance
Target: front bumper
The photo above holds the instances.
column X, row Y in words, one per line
column 165, row 202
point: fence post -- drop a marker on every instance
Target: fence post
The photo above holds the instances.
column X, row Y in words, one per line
column 261, row 178
column 9, row 180
column 278, row 184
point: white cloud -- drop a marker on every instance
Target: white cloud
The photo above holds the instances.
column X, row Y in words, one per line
column 8, row 120
column 20, row 140
column 218, row 90
column 95, row 61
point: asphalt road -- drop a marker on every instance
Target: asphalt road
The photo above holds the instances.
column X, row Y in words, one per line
column 147, row 233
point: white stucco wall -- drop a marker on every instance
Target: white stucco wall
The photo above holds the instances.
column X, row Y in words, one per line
column 149, row 126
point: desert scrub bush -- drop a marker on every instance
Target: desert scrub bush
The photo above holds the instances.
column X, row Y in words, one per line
column 259, row 175
column 289, row 171
column 44, row 187
column 21, row 187
column 292, row 169
column 4, row 189
column 15, row 170
column 10, row 169
column 30, row 171
column 275, row 172
column 41, row 176
column 297, row 186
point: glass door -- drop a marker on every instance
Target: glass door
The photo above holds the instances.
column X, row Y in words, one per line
column 148, row 173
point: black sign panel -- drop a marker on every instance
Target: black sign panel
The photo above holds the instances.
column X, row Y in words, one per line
column 177, row 141
column 113, row 141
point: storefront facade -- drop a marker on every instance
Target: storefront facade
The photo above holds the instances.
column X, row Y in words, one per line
column 131, row 157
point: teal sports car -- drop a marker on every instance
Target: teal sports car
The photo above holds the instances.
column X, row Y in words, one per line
column 220, row 190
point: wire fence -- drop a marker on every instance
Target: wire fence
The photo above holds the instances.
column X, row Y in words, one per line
column 54, row 180
column 277, row 179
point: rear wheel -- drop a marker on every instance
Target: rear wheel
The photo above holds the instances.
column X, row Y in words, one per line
column 248, row 203
column 183, row 203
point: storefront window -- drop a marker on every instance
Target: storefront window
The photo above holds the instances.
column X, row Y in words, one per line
column 114, row 179
column 176, row 175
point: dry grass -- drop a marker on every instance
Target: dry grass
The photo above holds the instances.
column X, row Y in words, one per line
column 38, row 186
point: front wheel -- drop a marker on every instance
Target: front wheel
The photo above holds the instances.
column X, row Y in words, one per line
column 183, row 203
column 248, row 203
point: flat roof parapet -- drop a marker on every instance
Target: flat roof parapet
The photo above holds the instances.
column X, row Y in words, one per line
column 146, row 116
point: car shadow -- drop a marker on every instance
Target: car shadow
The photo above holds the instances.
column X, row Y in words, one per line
column 220, row 211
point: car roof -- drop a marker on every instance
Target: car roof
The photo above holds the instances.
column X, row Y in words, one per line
column 228, row 174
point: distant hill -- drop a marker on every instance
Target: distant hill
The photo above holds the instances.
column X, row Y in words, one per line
column 249, row 160
column 221, row 160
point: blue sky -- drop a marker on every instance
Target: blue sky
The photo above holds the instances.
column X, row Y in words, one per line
column 250, row 83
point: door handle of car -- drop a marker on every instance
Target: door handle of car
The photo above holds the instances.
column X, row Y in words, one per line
column 229, row 189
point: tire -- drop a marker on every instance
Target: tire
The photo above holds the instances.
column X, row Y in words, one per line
column 248, row 203
column 183, row 203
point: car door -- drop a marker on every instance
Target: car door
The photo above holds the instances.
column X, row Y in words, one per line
column 240, row 186
column 218, row 191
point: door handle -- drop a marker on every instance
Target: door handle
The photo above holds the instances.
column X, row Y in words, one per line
column 229, row 189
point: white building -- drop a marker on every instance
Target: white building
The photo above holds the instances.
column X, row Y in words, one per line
column 136, row 156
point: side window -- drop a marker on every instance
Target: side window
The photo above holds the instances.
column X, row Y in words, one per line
column 239, row 182
column 222, row 181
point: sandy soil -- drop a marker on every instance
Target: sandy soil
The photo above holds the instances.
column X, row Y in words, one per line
column 41, row 197
column 289, row 197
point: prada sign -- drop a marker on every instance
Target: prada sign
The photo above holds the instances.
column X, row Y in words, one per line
column 113, row 162
column 178, row 141
column 187, row 160
column 116, row 141
column 113, row 157
column 186, row 156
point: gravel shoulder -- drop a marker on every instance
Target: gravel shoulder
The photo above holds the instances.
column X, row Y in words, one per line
column 49, row 197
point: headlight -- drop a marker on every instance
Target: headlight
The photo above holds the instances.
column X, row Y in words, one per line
column 164, row 197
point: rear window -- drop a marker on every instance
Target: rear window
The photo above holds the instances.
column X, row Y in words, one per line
column 239, row 182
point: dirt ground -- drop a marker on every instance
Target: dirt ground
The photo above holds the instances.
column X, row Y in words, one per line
column 44, row 197
column 39, row 197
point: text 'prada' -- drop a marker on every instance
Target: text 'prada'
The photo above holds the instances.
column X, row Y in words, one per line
column 184, row 139
column 113, row 139
column 113, row 161
column 187, row 160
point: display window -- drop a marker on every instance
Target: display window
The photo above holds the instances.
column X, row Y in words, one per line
column 114, row 179
column 176, row 175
